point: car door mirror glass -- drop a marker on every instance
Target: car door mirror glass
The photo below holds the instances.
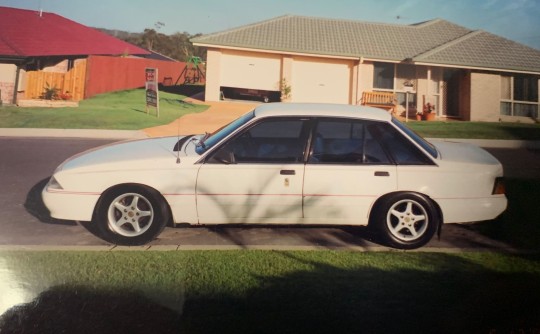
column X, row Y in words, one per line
column 223, row 156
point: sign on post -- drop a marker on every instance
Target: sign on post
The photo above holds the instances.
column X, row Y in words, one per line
column 152, row 92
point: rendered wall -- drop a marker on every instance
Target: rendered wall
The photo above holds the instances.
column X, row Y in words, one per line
column 213, row 75
column 7, row 82
column 365, row 80
column 485, row 97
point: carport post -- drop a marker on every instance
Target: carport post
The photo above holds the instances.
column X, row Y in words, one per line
column 16, row 87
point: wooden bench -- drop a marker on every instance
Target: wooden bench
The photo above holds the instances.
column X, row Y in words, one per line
column 383, row 100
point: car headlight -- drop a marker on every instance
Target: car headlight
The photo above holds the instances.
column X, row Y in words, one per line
column 53, row 184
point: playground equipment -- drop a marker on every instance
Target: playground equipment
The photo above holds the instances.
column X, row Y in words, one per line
column 192, row 73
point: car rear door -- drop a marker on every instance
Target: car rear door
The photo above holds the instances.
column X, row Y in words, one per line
column 347, row 170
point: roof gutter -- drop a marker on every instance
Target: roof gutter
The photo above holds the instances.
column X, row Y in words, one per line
column 12, row 60
column 478, row 68
column 281, row 52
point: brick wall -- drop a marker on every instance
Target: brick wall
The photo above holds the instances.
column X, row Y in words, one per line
column 6, row 89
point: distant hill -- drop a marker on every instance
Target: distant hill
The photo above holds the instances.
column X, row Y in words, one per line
column 176, row 46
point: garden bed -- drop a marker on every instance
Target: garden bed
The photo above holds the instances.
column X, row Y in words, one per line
column 47, row 103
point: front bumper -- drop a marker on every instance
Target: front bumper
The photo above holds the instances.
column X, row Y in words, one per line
column 70, row 205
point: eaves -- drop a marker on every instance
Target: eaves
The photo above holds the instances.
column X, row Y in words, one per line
column 295, row 53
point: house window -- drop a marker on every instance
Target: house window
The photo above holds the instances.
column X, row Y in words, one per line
column 406, row 86
column 526, row 88
column 406, row 77
column 434, row 87
column 383, row 76
column 397, row 78
column 519, row 96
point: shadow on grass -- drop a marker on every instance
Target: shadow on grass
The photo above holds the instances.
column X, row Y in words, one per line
column 174, row 102
column 329, row 299
column 456, row 296
column 522, row 132
column 518, row 225
column 79, row 309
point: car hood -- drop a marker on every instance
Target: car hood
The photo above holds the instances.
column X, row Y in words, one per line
column 135, row 154
column 464, row 153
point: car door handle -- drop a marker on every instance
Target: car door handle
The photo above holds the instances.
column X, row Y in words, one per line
column 382, row 174
column 287, row 172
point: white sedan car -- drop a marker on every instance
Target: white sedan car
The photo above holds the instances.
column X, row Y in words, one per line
column 312, row 164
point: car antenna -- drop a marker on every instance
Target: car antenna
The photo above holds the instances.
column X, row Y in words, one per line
column 177, row 141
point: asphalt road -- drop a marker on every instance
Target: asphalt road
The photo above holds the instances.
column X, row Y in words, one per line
column 27, row 163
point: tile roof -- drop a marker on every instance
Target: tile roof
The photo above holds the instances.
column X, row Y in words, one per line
column 26, row 33
column 484, row 50
column 437, row 41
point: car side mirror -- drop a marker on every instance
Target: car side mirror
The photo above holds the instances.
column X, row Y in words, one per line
column 224, row 157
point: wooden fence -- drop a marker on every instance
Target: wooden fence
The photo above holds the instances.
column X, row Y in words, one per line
column 71, row 83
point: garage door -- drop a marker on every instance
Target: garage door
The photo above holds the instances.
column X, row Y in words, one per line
column 322, row 81
column 248, row 70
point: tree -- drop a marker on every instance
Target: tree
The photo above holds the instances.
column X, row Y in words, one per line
column 176, row 46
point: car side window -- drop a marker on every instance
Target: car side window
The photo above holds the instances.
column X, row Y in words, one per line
column 401, row 149
column 344, row 141
column 269, row 141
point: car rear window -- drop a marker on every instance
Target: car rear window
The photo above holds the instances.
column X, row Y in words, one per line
column 427, row 146
column 345, row 141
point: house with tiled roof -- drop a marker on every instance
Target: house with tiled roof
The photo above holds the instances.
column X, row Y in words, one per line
column 461, row 73
column 35, row 40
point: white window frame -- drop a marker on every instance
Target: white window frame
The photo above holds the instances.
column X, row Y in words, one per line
column 513, row 102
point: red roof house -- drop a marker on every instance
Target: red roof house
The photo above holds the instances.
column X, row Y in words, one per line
column 41, row 49
column 29, row 33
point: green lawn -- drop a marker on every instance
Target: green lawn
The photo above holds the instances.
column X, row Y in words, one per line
column 274, row 292
column 124, row 110
column 477, row 130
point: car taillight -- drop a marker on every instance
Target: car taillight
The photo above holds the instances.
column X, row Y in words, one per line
column 499, row 187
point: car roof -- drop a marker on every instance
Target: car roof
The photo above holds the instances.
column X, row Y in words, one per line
column 321, row 110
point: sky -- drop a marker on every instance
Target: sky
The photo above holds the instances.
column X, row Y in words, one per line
column 518, row 20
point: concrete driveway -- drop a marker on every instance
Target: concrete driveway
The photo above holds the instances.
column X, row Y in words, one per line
column 217, row 115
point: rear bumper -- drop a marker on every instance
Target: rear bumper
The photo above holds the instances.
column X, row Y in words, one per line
column 466, row 210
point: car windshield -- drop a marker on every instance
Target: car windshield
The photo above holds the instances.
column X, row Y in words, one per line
column 210, row 140
column 427, row 146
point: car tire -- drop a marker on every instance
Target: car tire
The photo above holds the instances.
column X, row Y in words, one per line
column 131, row 215
column 406, row 220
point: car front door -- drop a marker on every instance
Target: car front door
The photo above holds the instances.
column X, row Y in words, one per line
column 256, row 176
column 347, row 170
